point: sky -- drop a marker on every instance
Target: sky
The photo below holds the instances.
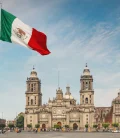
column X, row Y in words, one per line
column 78, row 32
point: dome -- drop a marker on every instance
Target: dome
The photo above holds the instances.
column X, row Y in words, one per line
column 67, row 96
column 118, row 97
column 71, row 97
column 86, row 70
column 33, row 73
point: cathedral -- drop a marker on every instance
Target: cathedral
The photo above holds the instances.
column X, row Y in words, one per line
column 63, row 110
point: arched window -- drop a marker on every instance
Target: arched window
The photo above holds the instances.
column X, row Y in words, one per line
column 31, row 101
column 31, row 89
column 35, row 99
column 86, row 100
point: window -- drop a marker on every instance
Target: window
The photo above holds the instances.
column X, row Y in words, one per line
column 86, row 82
column 90, row 101
column 28, row 103
column 30, row 120
column 86, row 100
column 30, row 116
column 35, row 99
column 82, row 96
column 31, row 101
column 90, row 96
column 34, row 86
column 28, row 98
column 31, row 87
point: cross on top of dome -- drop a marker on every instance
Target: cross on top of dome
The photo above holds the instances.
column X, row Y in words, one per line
column 33, row 72
column 86, row 70
column 33, row 67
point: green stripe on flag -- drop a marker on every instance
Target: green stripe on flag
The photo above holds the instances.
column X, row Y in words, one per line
column 6, row 25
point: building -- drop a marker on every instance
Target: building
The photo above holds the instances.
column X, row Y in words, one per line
column 10, row 122
column 2, row 121
column 63, row 110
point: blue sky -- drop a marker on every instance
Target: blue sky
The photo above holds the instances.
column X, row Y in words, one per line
column 78, row 32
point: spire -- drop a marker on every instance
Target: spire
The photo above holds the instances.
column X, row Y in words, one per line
column 86, row 70
column 49, row 100
column 119, row 93
column 33, row 67
column 67, row 90
column 33, row 72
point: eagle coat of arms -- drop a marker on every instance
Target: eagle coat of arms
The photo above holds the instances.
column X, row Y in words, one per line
column 20, row 33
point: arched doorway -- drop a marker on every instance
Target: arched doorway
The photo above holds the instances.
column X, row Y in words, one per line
column 75, row 126
column 43, row 126
column 59, row 124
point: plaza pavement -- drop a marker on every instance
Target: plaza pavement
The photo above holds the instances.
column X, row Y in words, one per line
column 59, row 135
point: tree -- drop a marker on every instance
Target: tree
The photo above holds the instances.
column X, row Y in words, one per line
column 11, row 125
column 20, row 122
column 86, row 126
column 57, row 126
column 115, row 124
column 95, row 126
column 2, row 126
column 66, row 126
column 29, row 125
column 37, row 126
column 105, row 125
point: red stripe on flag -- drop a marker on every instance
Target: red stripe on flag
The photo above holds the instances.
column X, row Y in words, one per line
column 38, row 42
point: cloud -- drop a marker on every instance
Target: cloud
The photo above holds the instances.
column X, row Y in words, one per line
column 72, row 43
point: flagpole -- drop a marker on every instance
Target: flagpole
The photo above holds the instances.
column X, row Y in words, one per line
column 0, row 17
column 58, row 78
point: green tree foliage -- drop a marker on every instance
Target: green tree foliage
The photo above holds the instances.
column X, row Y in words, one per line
column 57, row 126
column 11, row 125
column 115, row 124
column 105, row 125
column 66, row 126
column 29, row 125
column 20, row 122
column 86, row 125
column 37, row 126
column 95, row 126
column 2, row 126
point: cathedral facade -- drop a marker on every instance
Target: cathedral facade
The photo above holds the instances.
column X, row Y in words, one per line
column 63, row 110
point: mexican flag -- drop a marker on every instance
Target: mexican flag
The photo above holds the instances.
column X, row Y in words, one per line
column 14, row 30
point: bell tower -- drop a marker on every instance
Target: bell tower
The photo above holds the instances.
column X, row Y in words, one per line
column 86, row 91
column 59, row 94
column 33, row 92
